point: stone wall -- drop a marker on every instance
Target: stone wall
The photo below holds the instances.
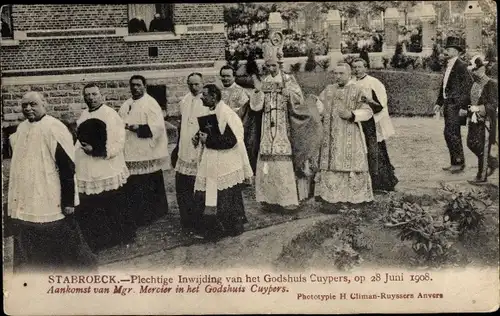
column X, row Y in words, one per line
column 27, row 17
column 95, row 35
column 65, row 100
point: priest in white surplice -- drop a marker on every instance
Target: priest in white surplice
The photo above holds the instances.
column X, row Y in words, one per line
column 146, row 153
column 343, row 165
column 238, row 99
column 377, row 130
column 42, row 194
column 185, row 157
column 101, row 174
column 223, row 167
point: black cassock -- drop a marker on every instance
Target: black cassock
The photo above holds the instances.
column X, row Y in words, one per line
column 104, row 218
column 230, row 216
column 379, row 164
column 57, row 245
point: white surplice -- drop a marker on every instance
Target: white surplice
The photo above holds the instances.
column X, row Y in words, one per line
column 98, row 174
column 145, row 155
column 383, row 122
column 223, row 169
column 34, row 184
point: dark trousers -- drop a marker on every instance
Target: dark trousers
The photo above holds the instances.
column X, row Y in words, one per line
column 452, row 136
column 478, row 141
column 190, row 209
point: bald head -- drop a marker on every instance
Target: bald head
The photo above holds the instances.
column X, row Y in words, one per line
column 342, row 73
column 33, row 106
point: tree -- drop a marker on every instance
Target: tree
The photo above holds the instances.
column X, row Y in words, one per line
column 289, row 15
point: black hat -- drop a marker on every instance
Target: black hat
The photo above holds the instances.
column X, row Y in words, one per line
column 455, row 42
column 93, row 132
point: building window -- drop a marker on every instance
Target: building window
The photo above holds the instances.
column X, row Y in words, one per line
column 6, row 16
column 159, row 93
column 151, row 17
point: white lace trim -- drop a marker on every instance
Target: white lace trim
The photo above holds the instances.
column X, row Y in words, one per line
column 223, row 182
column 99, row 186
column 186, row 168
column 148, row 166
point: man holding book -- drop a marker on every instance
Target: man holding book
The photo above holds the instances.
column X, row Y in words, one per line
column 223, row 165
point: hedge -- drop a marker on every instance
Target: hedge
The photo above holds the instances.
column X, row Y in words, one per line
column 409, row 93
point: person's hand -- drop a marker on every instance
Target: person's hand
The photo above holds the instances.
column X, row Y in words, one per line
column 481, row 110
column 257, row 84
column 87, row 148
column 195, row 139
column 437, row 108
column 367, row 100
column 345, row 114
column 203, row 137
column 132, row 127
column 462, row 112
column 68, row 210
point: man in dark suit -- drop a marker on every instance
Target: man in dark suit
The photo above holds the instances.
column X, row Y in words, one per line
column 453, row 100
column 483, row 100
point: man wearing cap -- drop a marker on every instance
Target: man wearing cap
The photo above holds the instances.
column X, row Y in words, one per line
column 482, row 114
column 452, row 99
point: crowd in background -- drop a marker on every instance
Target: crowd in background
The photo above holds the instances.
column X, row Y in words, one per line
column 354, row 42
column 294, row 44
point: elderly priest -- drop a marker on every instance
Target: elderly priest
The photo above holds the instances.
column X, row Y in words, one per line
column 42, row 194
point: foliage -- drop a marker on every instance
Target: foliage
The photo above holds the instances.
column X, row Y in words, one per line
column 347, row 242
column 349, row 59
column 324, row 64
column 430, row 237
column 311, row 61
column 435, row 61
column 400, row 60
column 235, row 64
column 295, row 67
column 385, row 61
column 466, row 209
column 344, row 257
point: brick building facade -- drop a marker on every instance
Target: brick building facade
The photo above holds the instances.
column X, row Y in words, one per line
column 57, row 49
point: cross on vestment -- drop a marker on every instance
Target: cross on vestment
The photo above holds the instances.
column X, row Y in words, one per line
column 209, row 128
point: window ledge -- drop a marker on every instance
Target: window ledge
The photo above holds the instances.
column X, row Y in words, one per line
column 9, row 42
column 151, row 37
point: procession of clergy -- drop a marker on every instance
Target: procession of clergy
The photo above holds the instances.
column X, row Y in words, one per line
column 331, row 147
